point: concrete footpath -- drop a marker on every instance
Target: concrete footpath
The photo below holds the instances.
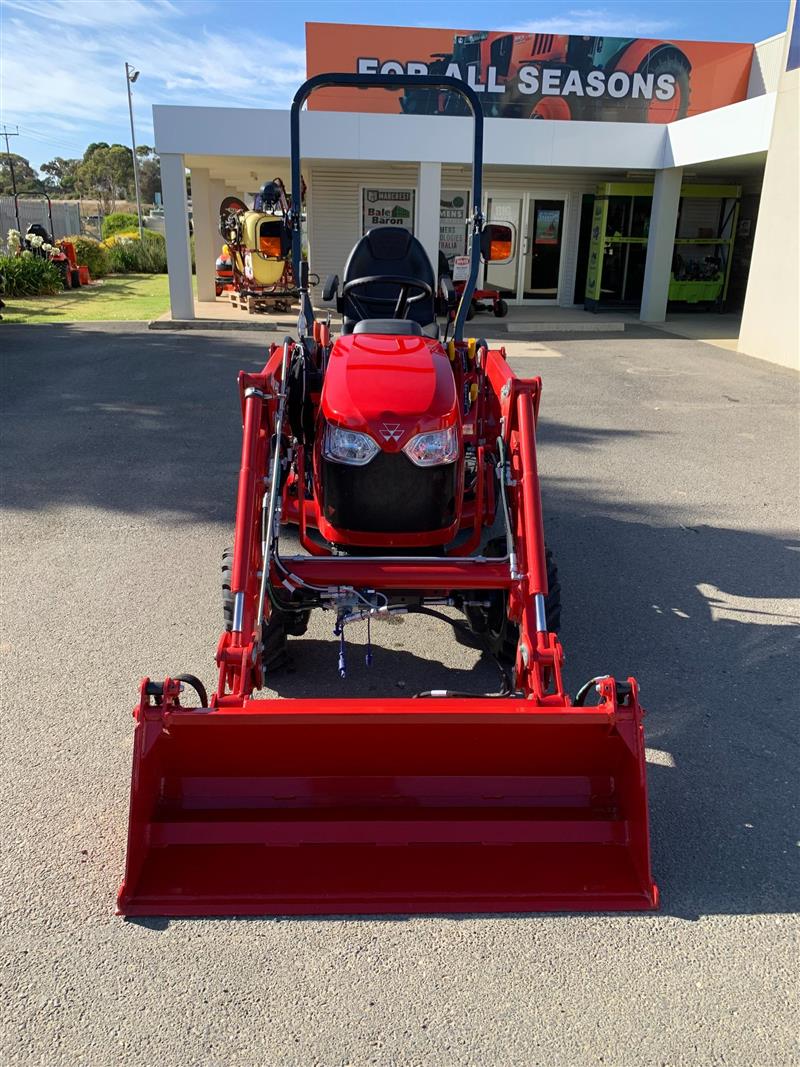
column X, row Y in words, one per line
column 671, row 500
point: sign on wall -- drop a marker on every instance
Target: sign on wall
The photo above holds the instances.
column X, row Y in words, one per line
column 460, row 271
column 531, row 75
column 453, row 209
column 387, row 207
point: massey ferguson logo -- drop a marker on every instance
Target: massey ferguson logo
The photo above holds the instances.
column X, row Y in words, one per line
column 391, row 431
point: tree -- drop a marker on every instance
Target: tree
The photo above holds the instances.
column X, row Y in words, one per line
column 91, row 147
column 106, row 173
column 150, row 179
column 62, row 175
column 149, row 173
column 27, row 179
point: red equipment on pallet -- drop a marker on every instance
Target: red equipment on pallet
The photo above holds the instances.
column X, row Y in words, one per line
column 396, row 453
column 38, row 239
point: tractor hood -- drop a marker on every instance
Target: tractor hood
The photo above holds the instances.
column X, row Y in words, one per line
column 390, row 387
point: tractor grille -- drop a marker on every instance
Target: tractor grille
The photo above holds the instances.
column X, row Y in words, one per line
column 542, row 44
column 389, row 495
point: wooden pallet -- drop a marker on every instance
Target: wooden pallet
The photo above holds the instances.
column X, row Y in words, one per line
column 255, row 305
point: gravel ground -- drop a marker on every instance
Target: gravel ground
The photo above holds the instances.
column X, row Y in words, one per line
column 671, row 499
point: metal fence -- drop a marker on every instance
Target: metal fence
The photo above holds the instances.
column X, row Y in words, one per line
column 66, row 216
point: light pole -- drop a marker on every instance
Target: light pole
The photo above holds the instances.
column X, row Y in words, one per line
column 130, row 77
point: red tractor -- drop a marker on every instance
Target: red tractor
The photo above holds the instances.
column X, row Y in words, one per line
column 553, row 76
column 408, row 463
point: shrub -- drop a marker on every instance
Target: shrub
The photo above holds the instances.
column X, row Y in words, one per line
column 129, row 255
column 118, row 222
column 92, row 253
column 28, row 275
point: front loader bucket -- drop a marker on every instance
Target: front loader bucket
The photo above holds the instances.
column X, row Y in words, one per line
column 349, row 807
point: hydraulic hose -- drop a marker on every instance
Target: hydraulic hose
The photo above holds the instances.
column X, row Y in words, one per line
column 197, row 685
column 274, row 485
column 511, row 550
column 506, row 688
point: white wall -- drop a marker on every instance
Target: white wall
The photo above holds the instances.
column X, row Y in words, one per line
column 335, row 215
column 738, row 130
column 765, row 71
column 244, row 132
column 771, row 318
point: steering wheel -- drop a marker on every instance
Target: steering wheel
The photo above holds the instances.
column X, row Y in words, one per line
column 420, row 289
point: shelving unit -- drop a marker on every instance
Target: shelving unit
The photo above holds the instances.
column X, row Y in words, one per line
column 702, row 254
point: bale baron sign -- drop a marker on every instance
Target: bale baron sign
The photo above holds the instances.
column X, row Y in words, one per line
column 533, row 75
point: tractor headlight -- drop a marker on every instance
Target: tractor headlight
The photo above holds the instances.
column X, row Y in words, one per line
column 348, row 446
column 433, row 449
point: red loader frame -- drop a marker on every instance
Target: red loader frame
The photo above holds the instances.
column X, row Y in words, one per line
column 520, row 801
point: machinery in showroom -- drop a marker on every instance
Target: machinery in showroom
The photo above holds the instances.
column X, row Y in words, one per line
column 701, row 257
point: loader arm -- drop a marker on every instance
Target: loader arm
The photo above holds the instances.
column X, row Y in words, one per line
column 523, row 572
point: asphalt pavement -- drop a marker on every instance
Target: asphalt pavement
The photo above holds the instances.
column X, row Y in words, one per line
column 671, row 500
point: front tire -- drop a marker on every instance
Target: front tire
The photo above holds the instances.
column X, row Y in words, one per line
column 275, row 630
column 498, row 632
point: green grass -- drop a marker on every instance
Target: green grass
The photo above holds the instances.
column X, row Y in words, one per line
column 119, row 298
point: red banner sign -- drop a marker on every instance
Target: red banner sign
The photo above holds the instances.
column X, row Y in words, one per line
column 532, row 75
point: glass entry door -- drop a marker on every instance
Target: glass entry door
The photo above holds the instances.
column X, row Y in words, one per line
column 543, row 239
column 533, row 272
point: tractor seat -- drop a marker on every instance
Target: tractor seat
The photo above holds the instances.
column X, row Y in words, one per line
column 397, row 327
column 389, row 250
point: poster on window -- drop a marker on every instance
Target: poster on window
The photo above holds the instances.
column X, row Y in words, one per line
column 453, row 208
column 548, row 222
column 387, row 207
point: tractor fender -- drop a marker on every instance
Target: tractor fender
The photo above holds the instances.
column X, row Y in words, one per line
column 640, row 53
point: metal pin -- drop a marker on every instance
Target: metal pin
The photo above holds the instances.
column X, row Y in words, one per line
column 541, row 614
column 238, row 612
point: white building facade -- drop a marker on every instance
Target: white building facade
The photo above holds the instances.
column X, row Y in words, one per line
column 536, row 174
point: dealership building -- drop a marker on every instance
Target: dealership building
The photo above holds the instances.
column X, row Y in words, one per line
column 637, row 175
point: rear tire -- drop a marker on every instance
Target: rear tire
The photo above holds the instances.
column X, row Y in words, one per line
column 677, row 65
column 500, row 309
column 75, row 279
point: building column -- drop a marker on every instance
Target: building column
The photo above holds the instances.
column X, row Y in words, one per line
column 429, row 195
column 660, row 243
column 176, row 227
column 217, row 192
column 205, row 244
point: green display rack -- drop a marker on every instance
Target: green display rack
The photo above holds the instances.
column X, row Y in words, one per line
column 702, row 253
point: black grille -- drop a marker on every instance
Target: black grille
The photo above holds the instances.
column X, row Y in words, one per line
column 389, row 495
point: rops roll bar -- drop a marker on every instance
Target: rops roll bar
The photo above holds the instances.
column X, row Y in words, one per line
column 392, row 81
